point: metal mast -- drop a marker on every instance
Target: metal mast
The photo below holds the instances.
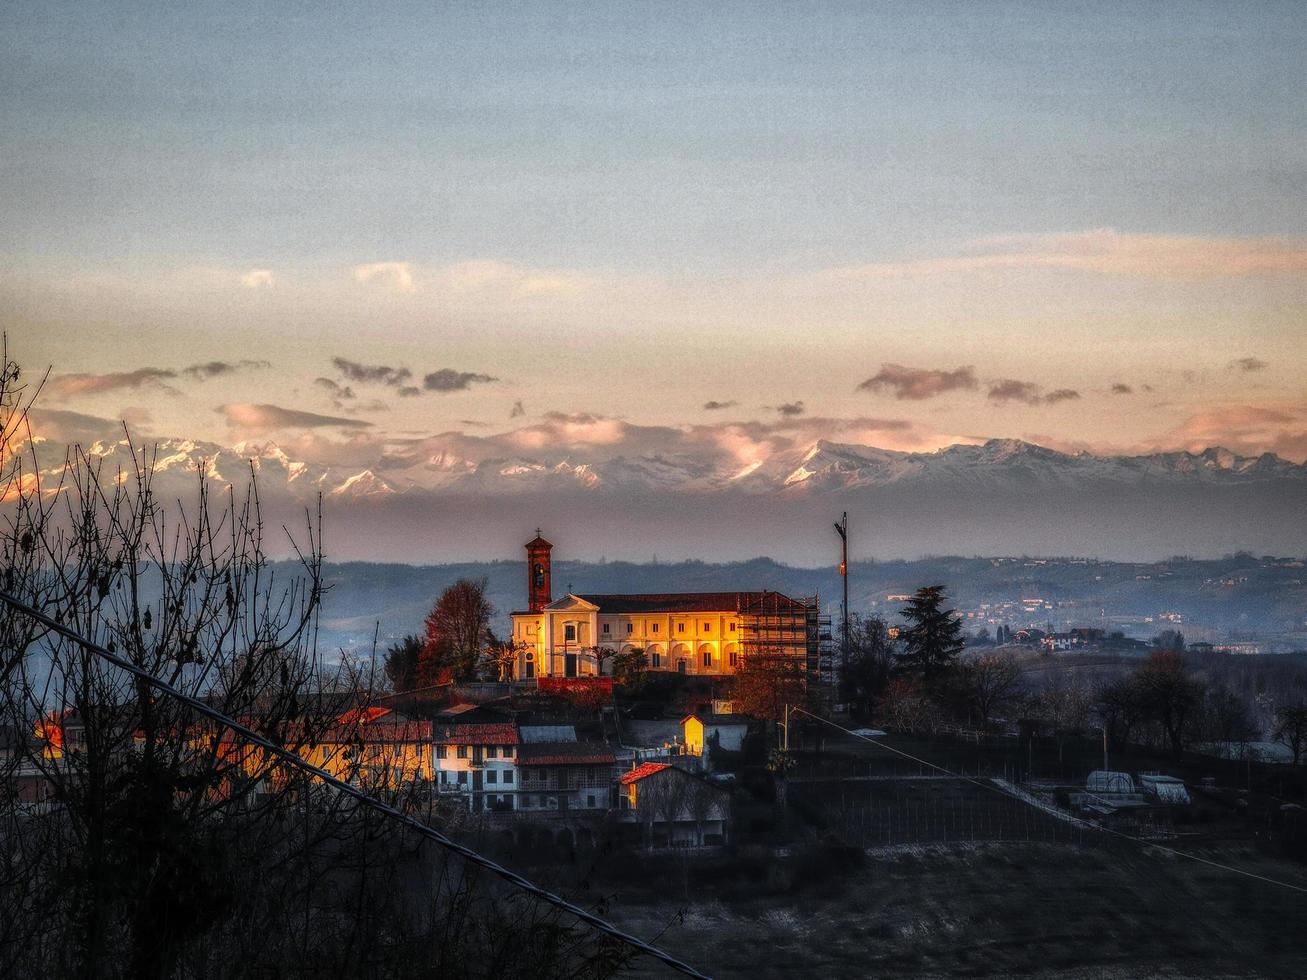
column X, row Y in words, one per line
column 842, row 529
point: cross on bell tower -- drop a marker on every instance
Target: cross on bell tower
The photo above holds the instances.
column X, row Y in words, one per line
column 538, row 590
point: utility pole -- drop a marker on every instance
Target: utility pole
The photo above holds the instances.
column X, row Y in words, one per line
column 842, row 529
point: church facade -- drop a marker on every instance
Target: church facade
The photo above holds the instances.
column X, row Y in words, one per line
column 709, row 633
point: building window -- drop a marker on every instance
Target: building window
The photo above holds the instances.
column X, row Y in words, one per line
column 732, row 627
column 707, row 658
column 680, row 627
column 508, row 775
column 707, row 627
column 655, row 659
column 492, row 776
column 590, row 800
column 681, row 665
column 735, row 658
column 492, row 751
column 440, row 751
column 462, row 777
column 462, row 751
column 569, row 633
column 653, row 627
column 630, row 628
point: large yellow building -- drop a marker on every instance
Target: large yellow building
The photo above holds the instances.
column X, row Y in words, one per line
column 688, row 632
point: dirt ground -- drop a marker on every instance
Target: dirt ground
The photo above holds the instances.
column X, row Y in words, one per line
column 1003, row 909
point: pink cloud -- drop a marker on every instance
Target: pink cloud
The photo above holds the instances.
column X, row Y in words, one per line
column 1107, row 252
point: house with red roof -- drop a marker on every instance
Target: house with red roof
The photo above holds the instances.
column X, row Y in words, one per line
column 477, row 761
column 565, row 777
column 671, row 807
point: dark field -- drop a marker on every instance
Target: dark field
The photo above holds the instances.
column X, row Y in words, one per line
column 1001, row 909
column 910, row 874
column 927, row 810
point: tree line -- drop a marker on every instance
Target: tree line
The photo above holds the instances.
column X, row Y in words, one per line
column 925, row 679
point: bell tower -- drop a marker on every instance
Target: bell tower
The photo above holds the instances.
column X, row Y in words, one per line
column 538, row 591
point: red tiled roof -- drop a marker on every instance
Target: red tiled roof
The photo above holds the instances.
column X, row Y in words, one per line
column 642, row 770
column 564, row 754
column 695, row 602
column 356, row 716
column 475, row 734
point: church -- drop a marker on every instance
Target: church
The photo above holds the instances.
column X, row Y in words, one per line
column 697, row 633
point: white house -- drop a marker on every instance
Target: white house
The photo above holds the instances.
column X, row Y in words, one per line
column 479, row 761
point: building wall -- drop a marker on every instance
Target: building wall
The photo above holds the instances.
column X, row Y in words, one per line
column 477, row 772
column 710, row 643
column 697, row 735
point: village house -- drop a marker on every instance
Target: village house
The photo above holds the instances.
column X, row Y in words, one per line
column 687, row 632
column 703, row 731
column 565, row 777
column 670, row 807
column 479, row 761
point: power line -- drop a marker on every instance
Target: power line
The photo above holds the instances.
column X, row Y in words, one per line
column 1093, row 826
column 296, row 760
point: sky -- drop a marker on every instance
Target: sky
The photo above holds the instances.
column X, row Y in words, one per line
column 907, row 225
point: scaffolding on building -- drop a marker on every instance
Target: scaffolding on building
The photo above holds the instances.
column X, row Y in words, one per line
column 773, row 624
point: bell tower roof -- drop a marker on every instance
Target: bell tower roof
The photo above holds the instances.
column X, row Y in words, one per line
column 538, row 541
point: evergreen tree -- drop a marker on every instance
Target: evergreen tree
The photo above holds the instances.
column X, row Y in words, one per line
column 933, row 637
column 402, row 663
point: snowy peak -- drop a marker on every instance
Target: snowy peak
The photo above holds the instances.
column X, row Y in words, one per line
column 365, row 484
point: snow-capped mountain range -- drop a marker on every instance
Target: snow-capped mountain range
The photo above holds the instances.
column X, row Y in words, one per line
column 439, row 501
column 822, row 467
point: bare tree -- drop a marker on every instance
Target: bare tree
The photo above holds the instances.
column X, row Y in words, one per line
column 456, row 631
column 702, row 801
column 167, row 847
column 766, row 682
column 1119, row 709
column 1168, row 696
column 1291, row 729
column 990, row 683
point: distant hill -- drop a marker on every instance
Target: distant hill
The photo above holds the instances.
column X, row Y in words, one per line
column 1242, row 596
